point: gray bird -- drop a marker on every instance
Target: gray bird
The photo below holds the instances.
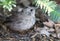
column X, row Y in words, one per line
column 24, row 20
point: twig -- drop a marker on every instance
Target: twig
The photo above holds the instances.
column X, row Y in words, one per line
column 34, row 35
column 33, row 39
column 56, row 27
column 3, row 26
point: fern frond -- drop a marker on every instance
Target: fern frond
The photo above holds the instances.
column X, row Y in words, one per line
column 55, row 15
column 46, row 5
column 50, row 7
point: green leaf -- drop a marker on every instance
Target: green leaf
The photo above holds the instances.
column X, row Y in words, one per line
column 55, row 15
column 51, row 8
column 8, row 4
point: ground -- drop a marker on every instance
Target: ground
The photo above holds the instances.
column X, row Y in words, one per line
column 42, row 25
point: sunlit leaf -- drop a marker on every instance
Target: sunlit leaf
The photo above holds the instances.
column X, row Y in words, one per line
column 51, row 8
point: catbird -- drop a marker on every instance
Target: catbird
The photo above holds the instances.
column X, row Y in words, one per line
column 23, row 20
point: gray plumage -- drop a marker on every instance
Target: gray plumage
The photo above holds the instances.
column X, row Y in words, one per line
column 23, row 20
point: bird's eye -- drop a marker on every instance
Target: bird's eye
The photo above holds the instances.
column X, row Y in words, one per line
column 31, row 10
